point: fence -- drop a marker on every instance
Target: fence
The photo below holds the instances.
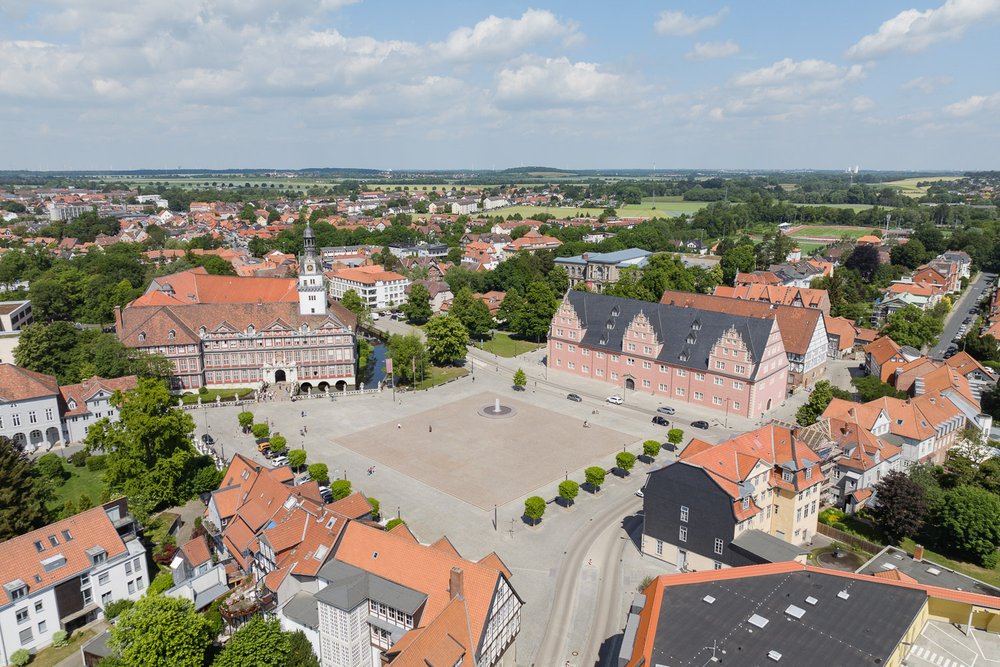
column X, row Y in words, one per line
column 300, row 397
column 848, row 538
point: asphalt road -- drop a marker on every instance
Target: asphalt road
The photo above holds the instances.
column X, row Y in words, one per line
column 601, row 543
column 960, row 311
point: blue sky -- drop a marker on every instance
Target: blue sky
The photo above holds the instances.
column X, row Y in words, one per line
column 123, row 84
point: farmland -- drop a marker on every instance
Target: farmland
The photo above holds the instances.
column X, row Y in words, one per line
column 908, row 186
column 828, row 232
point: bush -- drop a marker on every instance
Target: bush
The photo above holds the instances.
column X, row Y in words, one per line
column 376, row 506
column 279, row 443
column 202, row 390
column 116, row 607
column 674, row 436
column 534, row 508
column 164, row 581
column 297, row 458
column 393, row 523
column 79, row 459
column 651, row 448
column 320, row 472
column 830, row 515
column 625, row 460
column 60, row 638
column 341, row 488
column 261, row 430
column 50, row 466
column 595, row 476
column 568, row 490
column 96, row 463
column 20, row 658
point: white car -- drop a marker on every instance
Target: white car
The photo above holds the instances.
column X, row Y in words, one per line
column 615, row 400
column 279, row 461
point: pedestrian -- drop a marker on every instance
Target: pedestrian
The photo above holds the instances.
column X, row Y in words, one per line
column 399, row 426
column 473, row 378
column 429, row 429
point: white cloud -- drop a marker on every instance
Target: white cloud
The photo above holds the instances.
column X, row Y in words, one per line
column 679, row 24
column 974, row 104
column 787, row 70
column 913, row 30
column 926, row 84
column 556, row 81
column 712, row 50
column 494, row 36
column 862, row 103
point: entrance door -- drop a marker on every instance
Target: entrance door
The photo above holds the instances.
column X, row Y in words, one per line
column 630, row 384
column 682, row 559
column 279, row 375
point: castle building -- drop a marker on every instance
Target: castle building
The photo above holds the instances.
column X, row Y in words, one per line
column 231, row 331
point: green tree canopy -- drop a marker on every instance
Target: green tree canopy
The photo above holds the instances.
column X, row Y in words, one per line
column 819, row 398
column 418, row 304
column 160, row 631
column 870, row 388
column 534, row 508
column 863, row 259
column 594, row 476
column 901, row 506
column 911, row 326
column 22, row 494
column 300, row 651
column 736, row 260
column 257, row 643
column 569, row 490
column 296, row 458
column 447, row 339
column 352, row 302
column 408, row 356
column 675, row 436
column 510, row 308
column 473, row 313
column 520, row 378
column 319, row 472
column 625, row 460
column 651, row 448
column 535, row 314
column 966, row 520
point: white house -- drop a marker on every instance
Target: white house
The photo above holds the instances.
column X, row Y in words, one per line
column 464, row 206
column 29, row 407
column 86, row 402
column 62, row 576
column 379, row 289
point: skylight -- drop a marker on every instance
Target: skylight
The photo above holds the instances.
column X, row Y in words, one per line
column 758, row 621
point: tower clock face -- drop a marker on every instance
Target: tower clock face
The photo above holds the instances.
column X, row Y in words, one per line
column 309, row 267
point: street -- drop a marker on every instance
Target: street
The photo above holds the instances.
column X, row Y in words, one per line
column 960, row 310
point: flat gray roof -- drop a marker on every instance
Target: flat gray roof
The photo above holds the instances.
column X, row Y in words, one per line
column 767, row 548
column 925, row 572
column 349, row 586
column 302, row 609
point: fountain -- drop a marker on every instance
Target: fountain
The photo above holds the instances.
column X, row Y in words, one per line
column 496, row 410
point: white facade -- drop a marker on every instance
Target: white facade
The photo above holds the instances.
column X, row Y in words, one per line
column 376, row 293
column 15, row 315
column 345, row 640
column 98, row 406
column 33, row 422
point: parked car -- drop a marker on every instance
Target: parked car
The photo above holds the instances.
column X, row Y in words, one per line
column 615, row 400
column 665, row 410
column 261, row 446
column 574, row 397
column 701, row 423
column 279, row 461
column 302, row 479
column 207, row 439
column 326, row 493
column 661, row 421
column 639, row 493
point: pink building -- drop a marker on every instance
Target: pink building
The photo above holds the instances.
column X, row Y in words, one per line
column 728, row 363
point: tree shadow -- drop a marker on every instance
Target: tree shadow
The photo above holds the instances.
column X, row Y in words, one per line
column 590, row 488
column 620, row 472
column 528, row 521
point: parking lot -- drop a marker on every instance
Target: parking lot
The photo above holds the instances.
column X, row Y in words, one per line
column 943, row 645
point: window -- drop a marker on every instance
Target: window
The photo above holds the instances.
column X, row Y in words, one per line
column 171, row 334
column 25, row 636
column 718, row 546
column 18, row 593
column 131, row 587
column 737, row 385
column 38, row 607
column 721, row 365
column 786, row 476
column 809, row 472
column 717, row 400
column 681, row 373
column 48, row 414
column 128, row 567
column 16, row 418
column 698, row 395
column 685, row 513
column 719, row 382
column 741, row 369
column 798, row 514
column 22, row 615
column 103, row 579
column 659, row 547
column 746, row 503
column 53, row 540
column 814, row 507
column 105, row 599
column 718, row 565
column 142, row 336
column 680, row 391
column 736, row 405
column 88, row 595
column 700, row 377
column 683, row 536
column 41, row 628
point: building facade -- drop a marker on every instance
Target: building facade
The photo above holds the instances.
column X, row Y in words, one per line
column 729, row 364
column 597, row 270
column 379, row 289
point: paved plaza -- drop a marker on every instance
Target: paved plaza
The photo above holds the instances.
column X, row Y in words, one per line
column 485, row 461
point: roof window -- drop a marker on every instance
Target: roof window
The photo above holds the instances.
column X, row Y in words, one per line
column 54, row 563
column 39, row 547
column 171, row 334
column 142, row 336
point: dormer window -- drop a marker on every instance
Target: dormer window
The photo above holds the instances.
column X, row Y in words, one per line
column 171, row 334
column 97, row 555
column 142, row 336
column 786, row 475
column 202, row 331
column 691, row 339
column 71, row 404
column 16, row 590
column 746, row 503
column 696, row 325
column 251, row 330
column 809, row 472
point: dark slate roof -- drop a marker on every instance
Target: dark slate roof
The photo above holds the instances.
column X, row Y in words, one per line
column 766, row 548
column 302, row 609
column 605, row 319
column 925, row 572
column 862, row 629
column 349, row 586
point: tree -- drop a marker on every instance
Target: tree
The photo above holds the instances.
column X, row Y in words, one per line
column 149, row 446
column 911, row 254
column 246, row 420
column 966, row 520
column 675, row 436
column 473, row 313
column 300, row 651
column 520, row 378
column 50, row 467
column 911, row 326
column 863, row 259
column 736, row 260
column 320, row 472
column 352, row 302
column 510, row 308
column 594, row 476
column 535, row 315
column 870, row 388
column 376, row 507
column 257, row 643
column 900, row 508
column 418, row 304
column 22, row 494
column 49, row 349
column 569, row 490
column 534, row 508
column 651, row 448
column 341, row 488
column 625, row 461
column 279, row 444
column 260, row 430
column 161, row 631
column 447, row 339
column 408, row 356
column 809, row 412
column 296, row 458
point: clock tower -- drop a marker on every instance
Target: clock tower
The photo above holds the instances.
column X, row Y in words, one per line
column 312, row 282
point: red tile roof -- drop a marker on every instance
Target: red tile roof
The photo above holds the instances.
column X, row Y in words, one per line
column 20, row 384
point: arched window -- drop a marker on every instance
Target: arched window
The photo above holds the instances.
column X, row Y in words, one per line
column 142, row 336
column 171, row 334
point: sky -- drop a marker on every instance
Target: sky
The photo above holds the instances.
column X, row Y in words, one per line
column 402, row 84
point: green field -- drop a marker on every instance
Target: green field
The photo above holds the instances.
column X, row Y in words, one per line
column 440, row 375
column 81, row 481
column 209, row 396
column 908, row 186
column 505, row 346
column 821, row 231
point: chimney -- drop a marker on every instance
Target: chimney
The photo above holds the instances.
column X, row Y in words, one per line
column 918, row 552
column 456, row 583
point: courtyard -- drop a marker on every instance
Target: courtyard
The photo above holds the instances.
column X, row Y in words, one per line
column 481, row 460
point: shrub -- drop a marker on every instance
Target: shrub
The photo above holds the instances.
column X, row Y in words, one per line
column 202, row 390
column 393, row 523
column 50, row 466
column 376, row 506
column 651, row 448
column 79, row 459
column 116, row 607
column 164, row 554
column 830, row 515
column 320, row 472
column 164, row 581
column 341, row 488
column 595, row 476
column 60, row 638
column 20, row 658
column 568, row 490
column 98, row 462
column 534, row 508
column 261, row 430
column 625, row 460
column 84, row 503
column 279, row 443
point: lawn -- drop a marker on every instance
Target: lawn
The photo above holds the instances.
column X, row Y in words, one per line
column 505, row 346
column 52, row 656
column 441, row 375
column 210, row 395
column 833, row 232
column 81, row 480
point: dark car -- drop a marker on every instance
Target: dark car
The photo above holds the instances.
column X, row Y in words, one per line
column 660, row 421
column 207, row 439
column 700, row 424
column 574, row 397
